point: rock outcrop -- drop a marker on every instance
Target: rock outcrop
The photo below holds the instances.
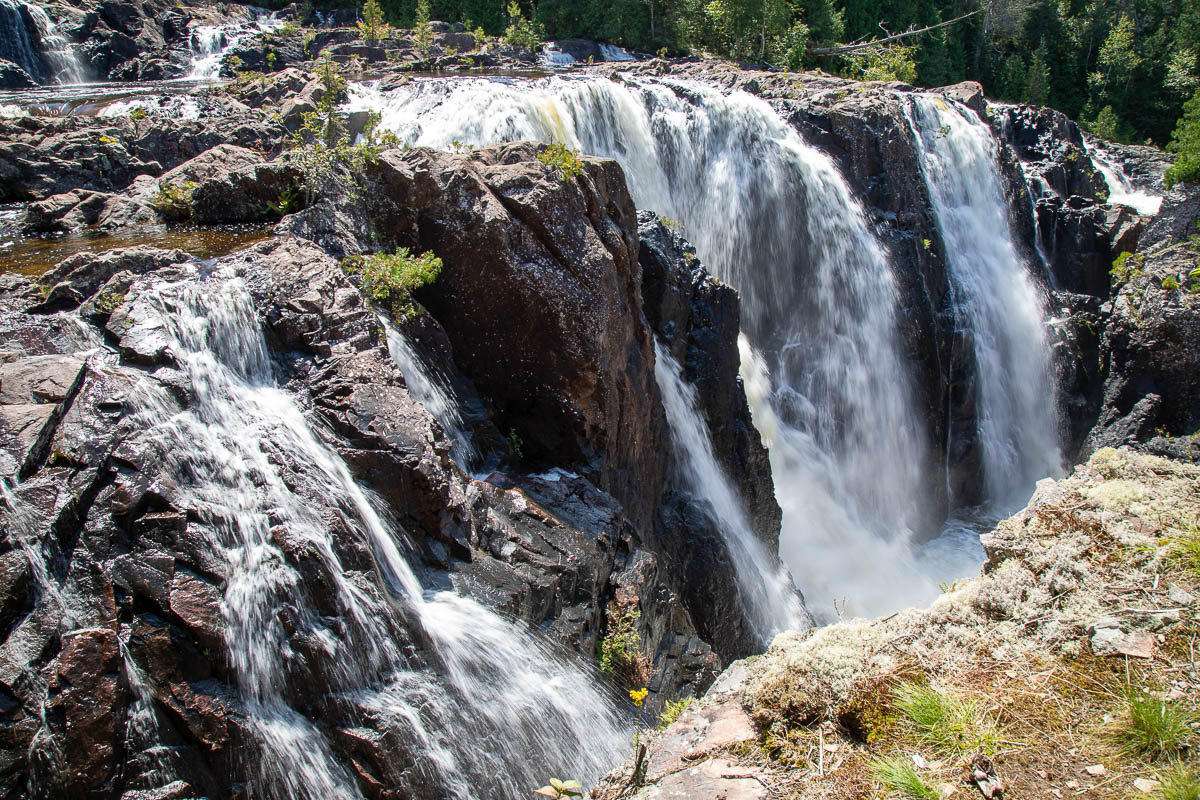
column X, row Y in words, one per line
column 1044, row 637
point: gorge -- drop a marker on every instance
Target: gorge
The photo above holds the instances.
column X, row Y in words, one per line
column 713, row 355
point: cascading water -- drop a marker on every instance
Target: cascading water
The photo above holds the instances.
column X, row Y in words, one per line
column 434, row 395
column 773, row 217
column 1120, row 189
column 517, row 710
column 47, row 55
column 771, row 599
column 995, row 299
column 210, row 42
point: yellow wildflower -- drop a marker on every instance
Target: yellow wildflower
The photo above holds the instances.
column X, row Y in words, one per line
column 638, row 696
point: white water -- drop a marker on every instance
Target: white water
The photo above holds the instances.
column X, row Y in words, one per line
column 495, row 713
column 1120, row 190
column 994, row 298
column 210, row 42
column 434, row 394
column 773, row 217
column 551, row 56
column 766, row 588
column 59, row 53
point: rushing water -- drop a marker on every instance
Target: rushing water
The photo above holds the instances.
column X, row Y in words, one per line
column 773, row 217
column 498, row 713
column 1121, row 190
column 433, row 392
column 209, row 43
column 46, row 55
column 995, row 299
column 765, row 586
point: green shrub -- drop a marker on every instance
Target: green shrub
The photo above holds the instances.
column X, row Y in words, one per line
column 373, row 28
column 521, row 32
column 391, row 279
column 567, row 162
column 1170, row 283
column 1180, row 782
column 900, row 779
column 1126, row 267
column 619, row 651
column 173, row 201
column 673, row 709
column 1185, row 144
column 287, row 29
column 946, row 722
column 1152, row 728
column 422, row 31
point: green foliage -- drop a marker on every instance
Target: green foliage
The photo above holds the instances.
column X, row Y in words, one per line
column 515, row 444
column 137, row 113
column 333, row 85
column 522, row 32
column 883, row 64
column 1152, row 728
column 1185, row 144
column 946, row 722
column 1106, row 125
column 900, row 778
column 619, row 651
column 390, row 279
column 1126, row 267
column 373, row 27
column 287, row 29
column 1170, row 283
column 558, row 788
column 422, row 31
column 1179, row 782
column 271, row 59
column 672, row 709
column 558, row 157
column 173, row 201
column 289, row 202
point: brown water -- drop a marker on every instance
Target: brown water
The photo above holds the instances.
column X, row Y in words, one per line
column 34, row 255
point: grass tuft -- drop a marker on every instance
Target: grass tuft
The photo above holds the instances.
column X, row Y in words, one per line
column 948, row 723
column 898, row 776
column 1180, row 782
column 1151, row 728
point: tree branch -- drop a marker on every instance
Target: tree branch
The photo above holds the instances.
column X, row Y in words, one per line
column 850, row 48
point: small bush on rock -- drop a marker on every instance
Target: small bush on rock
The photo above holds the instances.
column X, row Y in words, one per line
column 620, row 649
column 391, row 279
column 173, row 201
column 567, row 162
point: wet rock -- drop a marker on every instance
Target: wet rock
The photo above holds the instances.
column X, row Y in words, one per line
column 970, row 94
column 698, row 318
column 81, row 276
column 232, row 184
column 14, row 77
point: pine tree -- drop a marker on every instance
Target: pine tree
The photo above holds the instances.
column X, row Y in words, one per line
column 373, row 26
column 1185, row 144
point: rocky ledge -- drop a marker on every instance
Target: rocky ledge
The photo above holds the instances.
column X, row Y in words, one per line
column 1019, row 683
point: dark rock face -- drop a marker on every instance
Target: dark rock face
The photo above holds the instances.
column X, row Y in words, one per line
column 1151, row 342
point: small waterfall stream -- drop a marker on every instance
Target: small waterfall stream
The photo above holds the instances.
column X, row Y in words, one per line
column 994, row 298
column 1121, row 190
column 210, row 42
column 490, row 710
column 47, row 56
column 770, row 597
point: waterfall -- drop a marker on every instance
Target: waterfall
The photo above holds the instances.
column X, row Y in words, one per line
column 772, row 216
column 995, row 299
column 494, row 711
column 1121, row 191
column 434, row 394
column 765, row 586
column 47, row 56
column 209, row 43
